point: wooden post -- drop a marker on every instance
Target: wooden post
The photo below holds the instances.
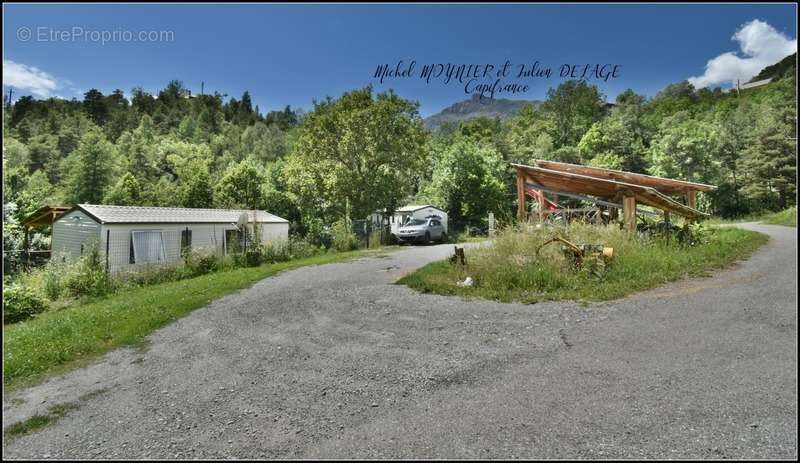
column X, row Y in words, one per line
column 629, row 211
column 521, row 212
column 26, row 247
column 691, row 199
column 613, row 213
column 542, row 199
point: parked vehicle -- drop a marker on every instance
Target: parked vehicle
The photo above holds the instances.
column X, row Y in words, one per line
column 422, row 231
column 404, row 214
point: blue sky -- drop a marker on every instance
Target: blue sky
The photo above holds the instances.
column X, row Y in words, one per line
column 292, row 54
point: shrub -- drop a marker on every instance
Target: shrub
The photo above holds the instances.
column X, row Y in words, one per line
column 276, row 251
column 375, row 239
column 201, row 261
column 20, row 303
column 343, row 238
column 316, row 233
column 300, row 248
column 89, row 277
column 154, row 274
column 54, row 275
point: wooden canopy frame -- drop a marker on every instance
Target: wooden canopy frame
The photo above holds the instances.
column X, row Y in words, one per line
column 45, row 215
column 609, row 185
column 42, row 217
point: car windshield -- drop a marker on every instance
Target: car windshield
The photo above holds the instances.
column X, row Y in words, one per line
column 414, row 223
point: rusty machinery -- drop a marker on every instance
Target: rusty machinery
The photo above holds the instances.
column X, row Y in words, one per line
column 599, row 255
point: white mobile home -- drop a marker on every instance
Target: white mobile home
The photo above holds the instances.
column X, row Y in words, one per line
column 404, row 214
column 131, row 236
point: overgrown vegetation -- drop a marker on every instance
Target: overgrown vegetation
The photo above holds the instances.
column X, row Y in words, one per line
column 511, row 270
column 21, row 303
column 786, row 217
column 61, row 280
column 93, row 326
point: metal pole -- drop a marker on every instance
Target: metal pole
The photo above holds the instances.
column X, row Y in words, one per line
column 108, row 239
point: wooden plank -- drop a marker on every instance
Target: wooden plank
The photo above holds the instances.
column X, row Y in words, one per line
column 605, row 188
column 665, row 185
column 521, row 212
column 629, row 211
column 691, row 199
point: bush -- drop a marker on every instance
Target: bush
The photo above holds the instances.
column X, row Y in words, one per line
column 300, row 248
column 54, row 275
column 89, row 277
column 201, row 261
column 20, row 303
column 343, row 238
column 276, row 251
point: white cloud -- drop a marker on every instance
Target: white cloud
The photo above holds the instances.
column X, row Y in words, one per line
column 28, row 78
column 761, row 45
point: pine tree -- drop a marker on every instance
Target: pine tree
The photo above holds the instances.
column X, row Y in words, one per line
column 90, row 168
column 127, row 192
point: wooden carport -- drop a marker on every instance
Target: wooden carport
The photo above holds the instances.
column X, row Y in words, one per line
column 622, row 189
column 42, row 217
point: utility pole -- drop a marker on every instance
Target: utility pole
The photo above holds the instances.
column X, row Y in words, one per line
column 202, row 85
column 10, row 93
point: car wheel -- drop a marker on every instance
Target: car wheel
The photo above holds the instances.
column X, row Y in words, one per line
column 443, row 238
column 427, row 237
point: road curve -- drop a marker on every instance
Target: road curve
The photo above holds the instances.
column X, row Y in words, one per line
column 335, row 361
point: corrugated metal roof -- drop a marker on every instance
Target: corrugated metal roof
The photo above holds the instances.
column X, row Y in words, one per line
column 136, row 214
column 412, row 208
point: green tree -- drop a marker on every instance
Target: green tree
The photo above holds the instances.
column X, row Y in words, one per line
column 574, row 106
column 242, row 186
column 15, row 154
column 468, row 182
column 770, row 160
column 37, row 192
column 90, row 168
column 529, row 135
column 96, row 106
column 265, row 143
column 126, row 192
column 197, row 190
column 358, row 151
column 685, row 148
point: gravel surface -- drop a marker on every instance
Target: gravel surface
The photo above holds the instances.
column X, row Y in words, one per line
column 335, row 361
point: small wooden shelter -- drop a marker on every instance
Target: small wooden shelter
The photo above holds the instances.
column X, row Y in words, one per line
column 42, row 217
column 614, row 188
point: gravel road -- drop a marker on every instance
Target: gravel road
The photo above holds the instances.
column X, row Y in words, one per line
column 335, row 361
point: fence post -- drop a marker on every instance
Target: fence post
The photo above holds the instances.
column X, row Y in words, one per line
column 108, row 240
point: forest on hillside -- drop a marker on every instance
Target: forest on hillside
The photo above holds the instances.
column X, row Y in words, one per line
column 365, row 151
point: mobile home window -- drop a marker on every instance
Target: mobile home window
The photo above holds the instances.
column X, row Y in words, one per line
column 233, row 241
column 148, row 247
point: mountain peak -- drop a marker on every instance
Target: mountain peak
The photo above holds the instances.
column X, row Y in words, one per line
column 476, row 107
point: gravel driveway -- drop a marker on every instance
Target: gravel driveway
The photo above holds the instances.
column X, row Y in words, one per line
column 335, row 361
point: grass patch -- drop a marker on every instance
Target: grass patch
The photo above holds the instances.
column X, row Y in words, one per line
column 787, row 217
column 510, row 270
column 37, row 422
column 60, row 340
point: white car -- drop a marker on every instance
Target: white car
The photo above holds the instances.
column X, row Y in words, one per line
column 422, row 231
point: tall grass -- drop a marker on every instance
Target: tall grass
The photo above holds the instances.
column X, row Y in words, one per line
column 787, row 217
column 511, row 270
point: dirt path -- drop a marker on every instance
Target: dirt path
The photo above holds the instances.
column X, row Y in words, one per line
column 336, row 361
